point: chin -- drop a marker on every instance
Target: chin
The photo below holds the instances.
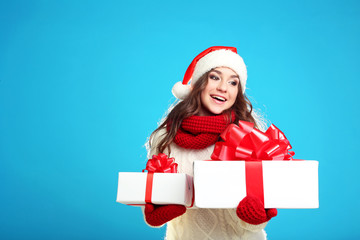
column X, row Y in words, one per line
column 217, row 112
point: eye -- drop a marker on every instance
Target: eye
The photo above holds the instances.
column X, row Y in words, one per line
column 213, row 77
column 233, row 83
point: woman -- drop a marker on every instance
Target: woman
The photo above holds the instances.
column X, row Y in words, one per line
column 214, row 99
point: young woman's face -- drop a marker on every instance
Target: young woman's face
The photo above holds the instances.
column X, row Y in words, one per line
column 220, row 92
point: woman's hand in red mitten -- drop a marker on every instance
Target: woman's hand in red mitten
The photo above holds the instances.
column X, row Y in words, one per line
column 157, row 215
column 251, row 210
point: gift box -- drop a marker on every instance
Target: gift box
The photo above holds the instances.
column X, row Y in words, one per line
column 161, row 184
column 137, row 188
column 251, row 162
column 281, row 184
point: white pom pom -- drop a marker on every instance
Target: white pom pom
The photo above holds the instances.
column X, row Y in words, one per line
column 180, row 90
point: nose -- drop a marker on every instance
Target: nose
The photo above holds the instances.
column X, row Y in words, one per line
column 222, row 86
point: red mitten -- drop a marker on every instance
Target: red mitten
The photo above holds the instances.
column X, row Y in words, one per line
column 251, row 210
column 157, row 215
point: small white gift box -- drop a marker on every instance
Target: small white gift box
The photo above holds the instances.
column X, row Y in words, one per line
column 163, row 188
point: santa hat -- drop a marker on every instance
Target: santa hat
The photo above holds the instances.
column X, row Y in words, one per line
column 212, row 57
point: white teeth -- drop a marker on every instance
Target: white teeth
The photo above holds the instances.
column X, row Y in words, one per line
column 219, row 98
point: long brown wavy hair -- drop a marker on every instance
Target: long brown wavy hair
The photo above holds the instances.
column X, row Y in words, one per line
column 191, row 105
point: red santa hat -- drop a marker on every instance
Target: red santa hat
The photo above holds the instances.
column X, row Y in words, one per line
column 212, row 57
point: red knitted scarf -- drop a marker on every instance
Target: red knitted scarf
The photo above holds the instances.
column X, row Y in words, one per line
column 198, row 132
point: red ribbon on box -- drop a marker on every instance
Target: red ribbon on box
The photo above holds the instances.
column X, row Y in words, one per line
column 244, row 142
column 158, row 164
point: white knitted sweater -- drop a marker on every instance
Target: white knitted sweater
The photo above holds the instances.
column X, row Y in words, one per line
column 215, row 224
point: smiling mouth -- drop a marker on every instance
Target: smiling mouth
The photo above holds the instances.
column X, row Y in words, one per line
column 221, row 99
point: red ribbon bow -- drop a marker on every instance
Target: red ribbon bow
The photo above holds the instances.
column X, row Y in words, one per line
column 157, row 164
column 244, row 142
column 161, row 164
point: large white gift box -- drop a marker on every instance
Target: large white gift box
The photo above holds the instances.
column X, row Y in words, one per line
column 163, row 188
column 286, row 184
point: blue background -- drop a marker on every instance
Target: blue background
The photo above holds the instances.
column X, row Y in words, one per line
column 84, row 83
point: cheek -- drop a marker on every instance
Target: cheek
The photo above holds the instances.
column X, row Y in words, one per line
column 202, row 96
column 205, row 92
column 233, row 94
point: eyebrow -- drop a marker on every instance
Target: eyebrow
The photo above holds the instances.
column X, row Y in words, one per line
column 219, row 72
